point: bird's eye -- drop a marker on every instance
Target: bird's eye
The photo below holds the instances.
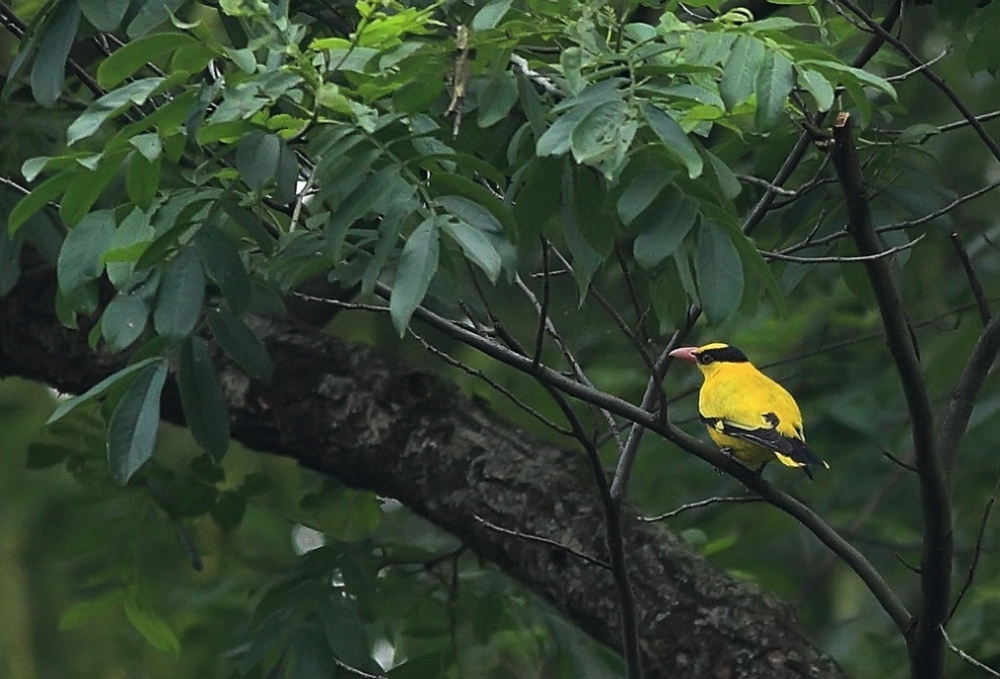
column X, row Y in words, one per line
column 705, row 359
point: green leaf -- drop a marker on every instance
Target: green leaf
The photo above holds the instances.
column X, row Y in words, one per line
column 719, row 271
column 379, row 192
column 674, row 139
column 496, row 98
column 204, row 403
column 471, row 213
column 145, row 620
column 39, row 197
column 819, row 87
column 476, row 246
column 264, row 160
column 49, row 69
column 130, row 241
column 740, row 72
column 556, row 140
column 663, row 227
column 641, row 192
column 178, row 303
column 134, row 423
column 239, row 343
column 597, row 133
column 150, row 14
column 98, row 389
column 849, row 75
column 142, row 179
column 109, row 105
column 86, row 189
column 417, row 265
column 123, row 321
column 537, row 199
column 84, row 611
column 983, row 53
column 148, row 144
column 104, row 15
column 490, row 15
column 774, row 84
column 223, row 264
column 80, row 257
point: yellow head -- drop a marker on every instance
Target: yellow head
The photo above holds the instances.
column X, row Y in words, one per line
column 710, row 357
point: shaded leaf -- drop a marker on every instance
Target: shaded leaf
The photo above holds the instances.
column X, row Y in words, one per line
column 123, row 320
column 223, row 264
column 205, row 410
column 774, row 84
column 134, row 423
column 674, row 138
column 109, row 105
column 719, row 272
column 49, row 69
column 663, row 227
column 179, row 300
column 104, row 15
column 417, row 265
column 740, row 72
column 98, row 389
column 476, row 246
column 80, row 257
column 239, row 342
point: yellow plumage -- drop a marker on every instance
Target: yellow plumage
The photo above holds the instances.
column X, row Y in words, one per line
column 747, row 413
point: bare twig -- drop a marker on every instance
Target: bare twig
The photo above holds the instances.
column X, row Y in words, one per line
column 544, row 541
column 543, row 312
column 976, row 553
column 768, row 254
column 738, row 499
column 966, row 657
column 970, row 273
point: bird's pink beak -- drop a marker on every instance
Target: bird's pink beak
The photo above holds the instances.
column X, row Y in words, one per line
column 685, row 354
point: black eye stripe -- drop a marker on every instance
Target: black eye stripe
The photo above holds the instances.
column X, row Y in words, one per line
column 726, row 354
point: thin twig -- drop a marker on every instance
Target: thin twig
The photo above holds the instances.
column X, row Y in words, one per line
column 768, row 254
column 355, row 671
column 970, row 273
column 543, row 312
column 738, row 499
column 899, row 463
column 493, row 384
column 593, row 561
column 976, row 553
column 916, row 69
column 966, row 657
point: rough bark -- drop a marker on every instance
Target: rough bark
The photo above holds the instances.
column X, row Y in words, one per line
column 362, row 418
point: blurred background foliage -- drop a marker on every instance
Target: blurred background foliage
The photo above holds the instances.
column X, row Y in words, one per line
column 227, row 571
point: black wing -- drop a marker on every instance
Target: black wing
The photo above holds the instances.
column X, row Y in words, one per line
column 768, row 437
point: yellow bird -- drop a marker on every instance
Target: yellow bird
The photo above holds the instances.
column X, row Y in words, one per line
column 748, row 414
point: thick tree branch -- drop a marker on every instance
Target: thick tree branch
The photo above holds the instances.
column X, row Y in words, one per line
column 925, row 642
column 348, row 413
